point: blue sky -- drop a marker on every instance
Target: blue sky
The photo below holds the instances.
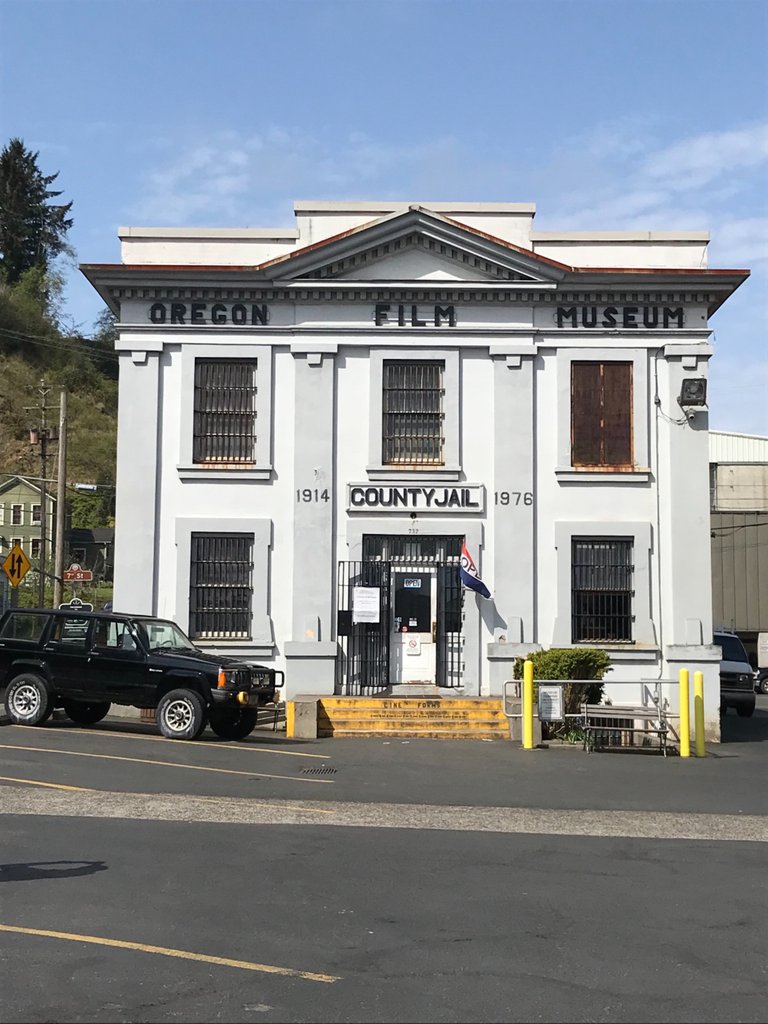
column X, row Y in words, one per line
column 648, row 114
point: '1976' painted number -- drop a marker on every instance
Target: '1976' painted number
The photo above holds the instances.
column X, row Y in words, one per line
column 513, row 497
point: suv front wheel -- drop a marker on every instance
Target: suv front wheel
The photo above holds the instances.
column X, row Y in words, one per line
column 181, row 715
column 28, row 700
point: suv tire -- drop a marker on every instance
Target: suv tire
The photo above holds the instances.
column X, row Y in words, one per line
column 28, row 700
column 181, row 715
column 86, row 713
column 762, row 684
column 233, row 725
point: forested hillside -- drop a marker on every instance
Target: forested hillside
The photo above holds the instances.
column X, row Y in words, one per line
column 36, row 345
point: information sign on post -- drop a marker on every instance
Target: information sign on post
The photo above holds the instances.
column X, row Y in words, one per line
column 76, row 605
column 551, row 707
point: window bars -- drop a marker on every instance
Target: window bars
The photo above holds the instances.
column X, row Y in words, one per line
column 412, row 414
column 224, row 430
column 601, row 590
column 221, row 586
column 401, row 548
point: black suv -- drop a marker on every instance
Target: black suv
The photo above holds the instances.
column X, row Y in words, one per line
column 84, row 662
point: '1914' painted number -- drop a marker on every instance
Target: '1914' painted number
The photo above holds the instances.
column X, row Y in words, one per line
column 307, row 494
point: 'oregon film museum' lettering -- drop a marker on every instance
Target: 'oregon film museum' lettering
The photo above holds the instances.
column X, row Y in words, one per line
column 336, row 438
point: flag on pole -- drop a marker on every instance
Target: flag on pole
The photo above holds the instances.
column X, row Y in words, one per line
column 469, row 575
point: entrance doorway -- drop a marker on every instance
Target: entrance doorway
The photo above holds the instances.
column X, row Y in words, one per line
column 400, row 614
column 413, row 639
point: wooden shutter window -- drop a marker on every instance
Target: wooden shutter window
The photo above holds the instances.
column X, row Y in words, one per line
column 601, row 414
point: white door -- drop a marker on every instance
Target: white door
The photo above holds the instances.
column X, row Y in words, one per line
column 413, row 651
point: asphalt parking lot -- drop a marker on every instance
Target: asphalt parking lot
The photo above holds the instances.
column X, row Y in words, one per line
column 145, row 879
column 122, row 756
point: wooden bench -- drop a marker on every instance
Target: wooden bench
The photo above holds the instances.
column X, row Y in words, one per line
column 599, row 720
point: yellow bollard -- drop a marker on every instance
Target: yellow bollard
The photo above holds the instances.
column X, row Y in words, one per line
column 685, row 714
column 528, row 705
column 290, row 719
column 698, row 713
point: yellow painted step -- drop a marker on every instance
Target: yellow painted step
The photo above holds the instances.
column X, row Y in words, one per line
column 417, row 714
column 430, row 734
column 409, row 723
column 398, row 703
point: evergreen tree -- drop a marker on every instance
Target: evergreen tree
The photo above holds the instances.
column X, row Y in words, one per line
column 32, row 230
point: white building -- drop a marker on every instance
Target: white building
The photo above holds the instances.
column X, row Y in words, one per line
column 312, row 421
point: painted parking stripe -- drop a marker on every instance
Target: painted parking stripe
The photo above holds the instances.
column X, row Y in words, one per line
column 182, row 954
column 163, row 764
column 48, row 785
column 161, row 739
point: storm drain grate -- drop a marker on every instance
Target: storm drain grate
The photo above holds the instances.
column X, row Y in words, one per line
column 318, row 771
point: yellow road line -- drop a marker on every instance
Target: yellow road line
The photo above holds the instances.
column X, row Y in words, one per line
column 164, row 764
column 162, row 739
column 182, row 954
column 50, row 785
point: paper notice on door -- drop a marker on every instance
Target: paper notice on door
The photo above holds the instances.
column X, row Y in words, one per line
column 413, row 647
column 366, row 604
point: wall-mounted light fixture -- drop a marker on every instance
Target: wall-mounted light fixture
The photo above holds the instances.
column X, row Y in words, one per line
column 693, row 392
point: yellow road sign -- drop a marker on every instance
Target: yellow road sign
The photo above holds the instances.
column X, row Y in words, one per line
column 16, row 565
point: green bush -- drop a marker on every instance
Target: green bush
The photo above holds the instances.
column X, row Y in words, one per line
column 570, row 663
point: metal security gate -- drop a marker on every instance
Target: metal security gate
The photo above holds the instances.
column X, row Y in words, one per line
column 363, row 662
column 365, row 622
column 450, row 640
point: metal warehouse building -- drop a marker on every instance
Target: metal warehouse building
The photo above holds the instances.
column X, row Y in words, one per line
column 315, row 421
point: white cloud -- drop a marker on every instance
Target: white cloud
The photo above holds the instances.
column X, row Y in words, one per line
column 743, row 241
column 696, row 161
column 235, row 179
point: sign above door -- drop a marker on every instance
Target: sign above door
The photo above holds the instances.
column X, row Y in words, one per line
column 415, row 498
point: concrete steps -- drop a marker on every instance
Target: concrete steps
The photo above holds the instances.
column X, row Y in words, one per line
column 478, row 718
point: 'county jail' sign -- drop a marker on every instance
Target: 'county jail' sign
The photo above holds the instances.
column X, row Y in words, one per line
column 367, row 498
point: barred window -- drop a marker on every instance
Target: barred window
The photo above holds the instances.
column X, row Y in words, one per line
column 601, row 590
column 221, row 586
column 225, row 412
column 412, row 408
column 601, row 414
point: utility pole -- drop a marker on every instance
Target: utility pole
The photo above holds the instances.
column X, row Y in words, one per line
column 42, row 435
column 61, row 484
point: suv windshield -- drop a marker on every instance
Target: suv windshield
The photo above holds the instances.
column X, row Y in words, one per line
column 163, row 636
column 733, row 649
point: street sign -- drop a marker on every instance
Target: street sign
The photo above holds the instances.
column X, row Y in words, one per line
column 74, row 574
column 76, row 605
column 16, row 565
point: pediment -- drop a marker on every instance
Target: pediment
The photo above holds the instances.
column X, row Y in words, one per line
column 417, row 245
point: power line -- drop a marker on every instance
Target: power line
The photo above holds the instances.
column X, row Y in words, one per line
column 66, row 343
column 733, row 529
